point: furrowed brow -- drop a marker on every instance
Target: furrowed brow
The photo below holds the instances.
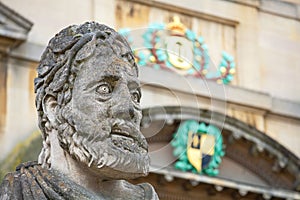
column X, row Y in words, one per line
column 107, row 78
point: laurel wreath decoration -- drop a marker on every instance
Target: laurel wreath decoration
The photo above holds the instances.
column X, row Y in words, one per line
column 179, row 143
column 155, row 53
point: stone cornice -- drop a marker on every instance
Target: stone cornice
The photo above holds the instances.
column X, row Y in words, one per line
column 13, row 29
column 15, row 17
column 283, row 8
column 187, row 11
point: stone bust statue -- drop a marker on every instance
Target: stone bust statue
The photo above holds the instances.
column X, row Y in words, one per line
column 88, row 102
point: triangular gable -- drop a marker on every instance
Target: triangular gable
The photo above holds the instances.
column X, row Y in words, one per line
column 13, row 27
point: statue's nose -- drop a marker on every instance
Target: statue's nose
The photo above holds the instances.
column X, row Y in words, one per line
column 123, row 106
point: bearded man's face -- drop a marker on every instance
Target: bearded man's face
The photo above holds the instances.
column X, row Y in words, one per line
column 105, row 109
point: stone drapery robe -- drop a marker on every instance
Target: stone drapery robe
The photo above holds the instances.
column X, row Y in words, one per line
column 31, row 181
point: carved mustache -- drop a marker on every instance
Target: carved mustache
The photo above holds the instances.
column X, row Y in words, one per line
column 127, row 129
column 121, row 128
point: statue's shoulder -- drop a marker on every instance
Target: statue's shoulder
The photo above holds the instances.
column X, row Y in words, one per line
column 6, row 188
column 26, row 165
column 150, row 193
column 21, row 183
column 32, row 181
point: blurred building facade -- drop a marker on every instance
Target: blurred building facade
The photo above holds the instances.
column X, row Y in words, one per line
column 258, row 112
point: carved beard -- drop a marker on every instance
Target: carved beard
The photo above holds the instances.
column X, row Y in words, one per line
column 95, row 145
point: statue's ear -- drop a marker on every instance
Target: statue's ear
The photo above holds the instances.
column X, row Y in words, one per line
column 49, row 107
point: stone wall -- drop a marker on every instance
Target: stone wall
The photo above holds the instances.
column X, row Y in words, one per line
column 265, row 44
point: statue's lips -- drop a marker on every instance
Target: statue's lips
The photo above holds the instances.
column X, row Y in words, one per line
column 127, row 136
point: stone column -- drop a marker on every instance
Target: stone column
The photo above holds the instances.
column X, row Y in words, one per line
column 3, row 77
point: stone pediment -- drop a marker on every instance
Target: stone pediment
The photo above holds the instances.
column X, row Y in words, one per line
column 252, row 166
column 14, row 28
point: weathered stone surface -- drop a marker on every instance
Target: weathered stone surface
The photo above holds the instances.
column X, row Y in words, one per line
column 88, row 102
column 31, row 181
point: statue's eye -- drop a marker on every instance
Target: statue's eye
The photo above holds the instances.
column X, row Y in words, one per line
column 104, row 89
column 135, row 96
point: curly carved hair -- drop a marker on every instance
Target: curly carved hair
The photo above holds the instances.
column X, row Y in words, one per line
column 59, row 65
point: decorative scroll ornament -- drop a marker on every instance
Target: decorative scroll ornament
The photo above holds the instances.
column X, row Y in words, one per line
column 199, row 148
column 174, row 47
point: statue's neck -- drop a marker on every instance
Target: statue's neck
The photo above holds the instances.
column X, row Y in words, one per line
column 76, row 171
